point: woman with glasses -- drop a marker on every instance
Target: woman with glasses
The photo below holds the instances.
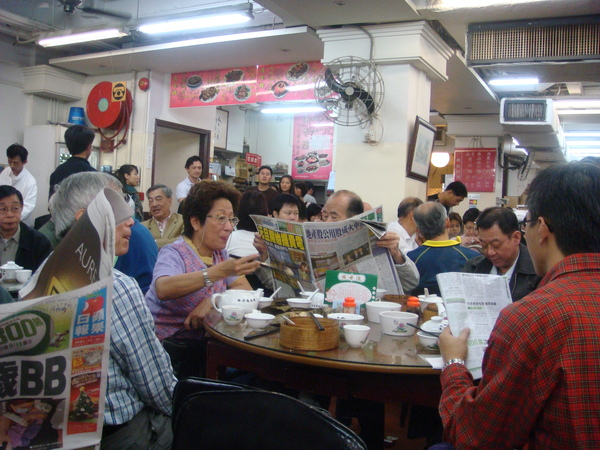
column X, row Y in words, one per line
column 193, row 268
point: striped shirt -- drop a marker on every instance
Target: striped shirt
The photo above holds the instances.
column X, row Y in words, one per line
column 139, row 370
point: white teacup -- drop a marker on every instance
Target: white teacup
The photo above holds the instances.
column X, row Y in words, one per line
column 356, row 335
column 249, row 299
column 23, row 275
column 233, row 314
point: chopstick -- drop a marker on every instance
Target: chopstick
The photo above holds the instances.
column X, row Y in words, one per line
column 422, row 330
column 316, row 321
column 262, row 333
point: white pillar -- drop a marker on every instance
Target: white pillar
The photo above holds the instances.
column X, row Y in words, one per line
column 409, row 56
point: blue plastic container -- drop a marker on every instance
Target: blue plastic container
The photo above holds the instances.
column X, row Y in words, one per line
column 76, row 116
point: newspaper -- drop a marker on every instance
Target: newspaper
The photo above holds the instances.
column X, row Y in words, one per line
column 304, row 252
column 475, row 301
column 54, row 348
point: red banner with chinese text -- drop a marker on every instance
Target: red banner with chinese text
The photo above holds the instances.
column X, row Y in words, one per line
column 476, row 168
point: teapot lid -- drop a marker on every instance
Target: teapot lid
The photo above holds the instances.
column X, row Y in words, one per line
column 11, row 265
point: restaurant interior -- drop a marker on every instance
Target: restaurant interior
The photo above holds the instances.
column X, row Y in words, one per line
column 517, row 81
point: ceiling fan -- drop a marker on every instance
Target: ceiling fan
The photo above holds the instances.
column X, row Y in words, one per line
column 69, row 7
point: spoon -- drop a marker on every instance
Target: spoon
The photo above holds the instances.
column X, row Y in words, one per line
column 276, row 291
column 312, row 295
column 423, row 331
column 290, row 321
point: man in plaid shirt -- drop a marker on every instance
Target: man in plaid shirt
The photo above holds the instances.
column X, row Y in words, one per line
column 540, row 386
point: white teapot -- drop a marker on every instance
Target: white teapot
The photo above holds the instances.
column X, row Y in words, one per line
column 8, row 271
column 237, row 297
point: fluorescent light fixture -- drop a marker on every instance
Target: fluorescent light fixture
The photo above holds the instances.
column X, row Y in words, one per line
column 564, row 112
column 447, row 5
column 513, row 81
column 583, row 143
column 81, row 37
column 205, row 21
column 570, row 134
column 291, row 109
column 579, row 103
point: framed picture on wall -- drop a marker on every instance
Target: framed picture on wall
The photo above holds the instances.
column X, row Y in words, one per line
column 220, row 132
column 419, row 151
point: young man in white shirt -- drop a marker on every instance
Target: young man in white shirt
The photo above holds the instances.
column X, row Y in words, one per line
column 193, row 167
column 17, row 176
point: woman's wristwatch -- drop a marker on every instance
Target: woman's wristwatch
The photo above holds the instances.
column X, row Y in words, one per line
column 454, row 361
column 207, row 281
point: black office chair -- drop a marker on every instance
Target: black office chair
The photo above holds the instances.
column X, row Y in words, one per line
column 209, row 414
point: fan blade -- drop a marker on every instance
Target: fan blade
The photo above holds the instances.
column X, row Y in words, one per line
column 333, row 84
column 366, row 98
column 114, row 14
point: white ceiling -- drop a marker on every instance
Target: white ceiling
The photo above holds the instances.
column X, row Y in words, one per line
column 283, row 31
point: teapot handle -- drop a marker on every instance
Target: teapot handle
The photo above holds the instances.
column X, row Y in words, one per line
column 215, row 302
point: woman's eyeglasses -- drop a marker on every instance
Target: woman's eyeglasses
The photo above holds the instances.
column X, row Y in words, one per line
column 223, row 220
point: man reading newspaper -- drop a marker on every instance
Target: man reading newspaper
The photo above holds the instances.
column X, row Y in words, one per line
column 539, row 387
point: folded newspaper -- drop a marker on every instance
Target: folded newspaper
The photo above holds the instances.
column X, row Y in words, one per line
column 54, row 346
column 474, row 300
column 304, row 252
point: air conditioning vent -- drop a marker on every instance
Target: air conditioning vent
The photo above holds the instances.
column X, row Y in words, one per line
column 524, row 110
column 528, row 114
column 568, row 39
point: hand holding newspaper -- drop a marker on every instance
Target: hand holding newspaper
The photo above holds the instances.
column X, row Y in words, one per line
column 475, row 301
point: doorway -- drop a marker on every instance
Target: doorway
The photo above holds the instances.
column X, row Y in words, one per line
column 173, row 145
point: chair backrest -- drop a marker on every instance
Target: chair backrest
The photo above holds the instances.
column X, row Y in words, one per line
column 209, row 414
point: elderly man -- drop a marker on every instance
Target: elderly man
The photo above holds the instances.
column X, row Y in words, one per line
column 165, row 226
column 21, row 244
column 439, row 253
column 21, row 179
column 454, row 193
column 345, row 204
column 193, row 167
column 540, row 369
column 503, row 252
column 405, row 226
column 140, row 377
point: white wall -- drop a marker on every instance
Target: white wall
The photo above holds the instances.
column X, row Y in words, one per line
column 14, row 106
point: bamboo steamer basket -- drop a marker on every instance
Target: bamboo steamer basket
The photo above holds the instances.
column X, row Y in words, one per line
column 306, row 336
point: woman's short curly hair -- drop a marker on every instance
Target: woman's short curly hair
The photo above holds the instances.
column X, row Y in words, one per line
column 201, row 199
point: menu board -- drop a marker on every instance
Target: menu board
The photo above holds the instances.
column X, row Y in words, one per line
column 213, row 87
column 312, row 147
column 476, row 168
column 287, row 81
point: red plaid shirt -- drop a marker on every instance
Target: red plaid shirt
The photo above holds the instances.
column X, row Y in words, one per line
column 541, row 370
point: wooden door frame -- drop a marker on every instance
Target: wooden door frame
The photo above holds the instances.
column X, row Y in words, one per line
column 203, row 148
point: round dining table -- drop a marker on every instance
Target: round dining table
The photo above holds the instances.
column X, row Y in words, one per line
column 387, row 369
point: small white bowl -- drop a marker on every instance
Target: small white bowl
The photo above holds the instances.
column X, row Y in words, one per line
column 263, row 302
column 395, row 323
column 380, row 293
column 374, row 308
column 356, row 335
column 428, row 341
column 299, row 303
column 435, row 325
column 346, row 318
column 259, row 320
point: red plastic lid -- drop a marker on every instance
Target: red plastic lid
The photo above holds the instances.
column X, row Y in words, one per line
column 349, row 301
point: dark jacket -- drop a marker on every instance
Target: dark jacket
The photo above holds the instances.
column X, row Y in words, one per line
column 74, row 164
column 524, row 279
column 33, row 248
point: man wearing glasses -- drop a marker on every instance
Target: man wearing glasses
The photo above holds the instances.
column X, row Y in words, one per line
column 21, row 244
column 503, row 252
column 540, row 370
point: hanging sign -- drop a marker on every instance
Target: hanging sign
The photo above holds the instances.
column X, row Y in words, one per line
column 476, row 168
column 119, row 91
